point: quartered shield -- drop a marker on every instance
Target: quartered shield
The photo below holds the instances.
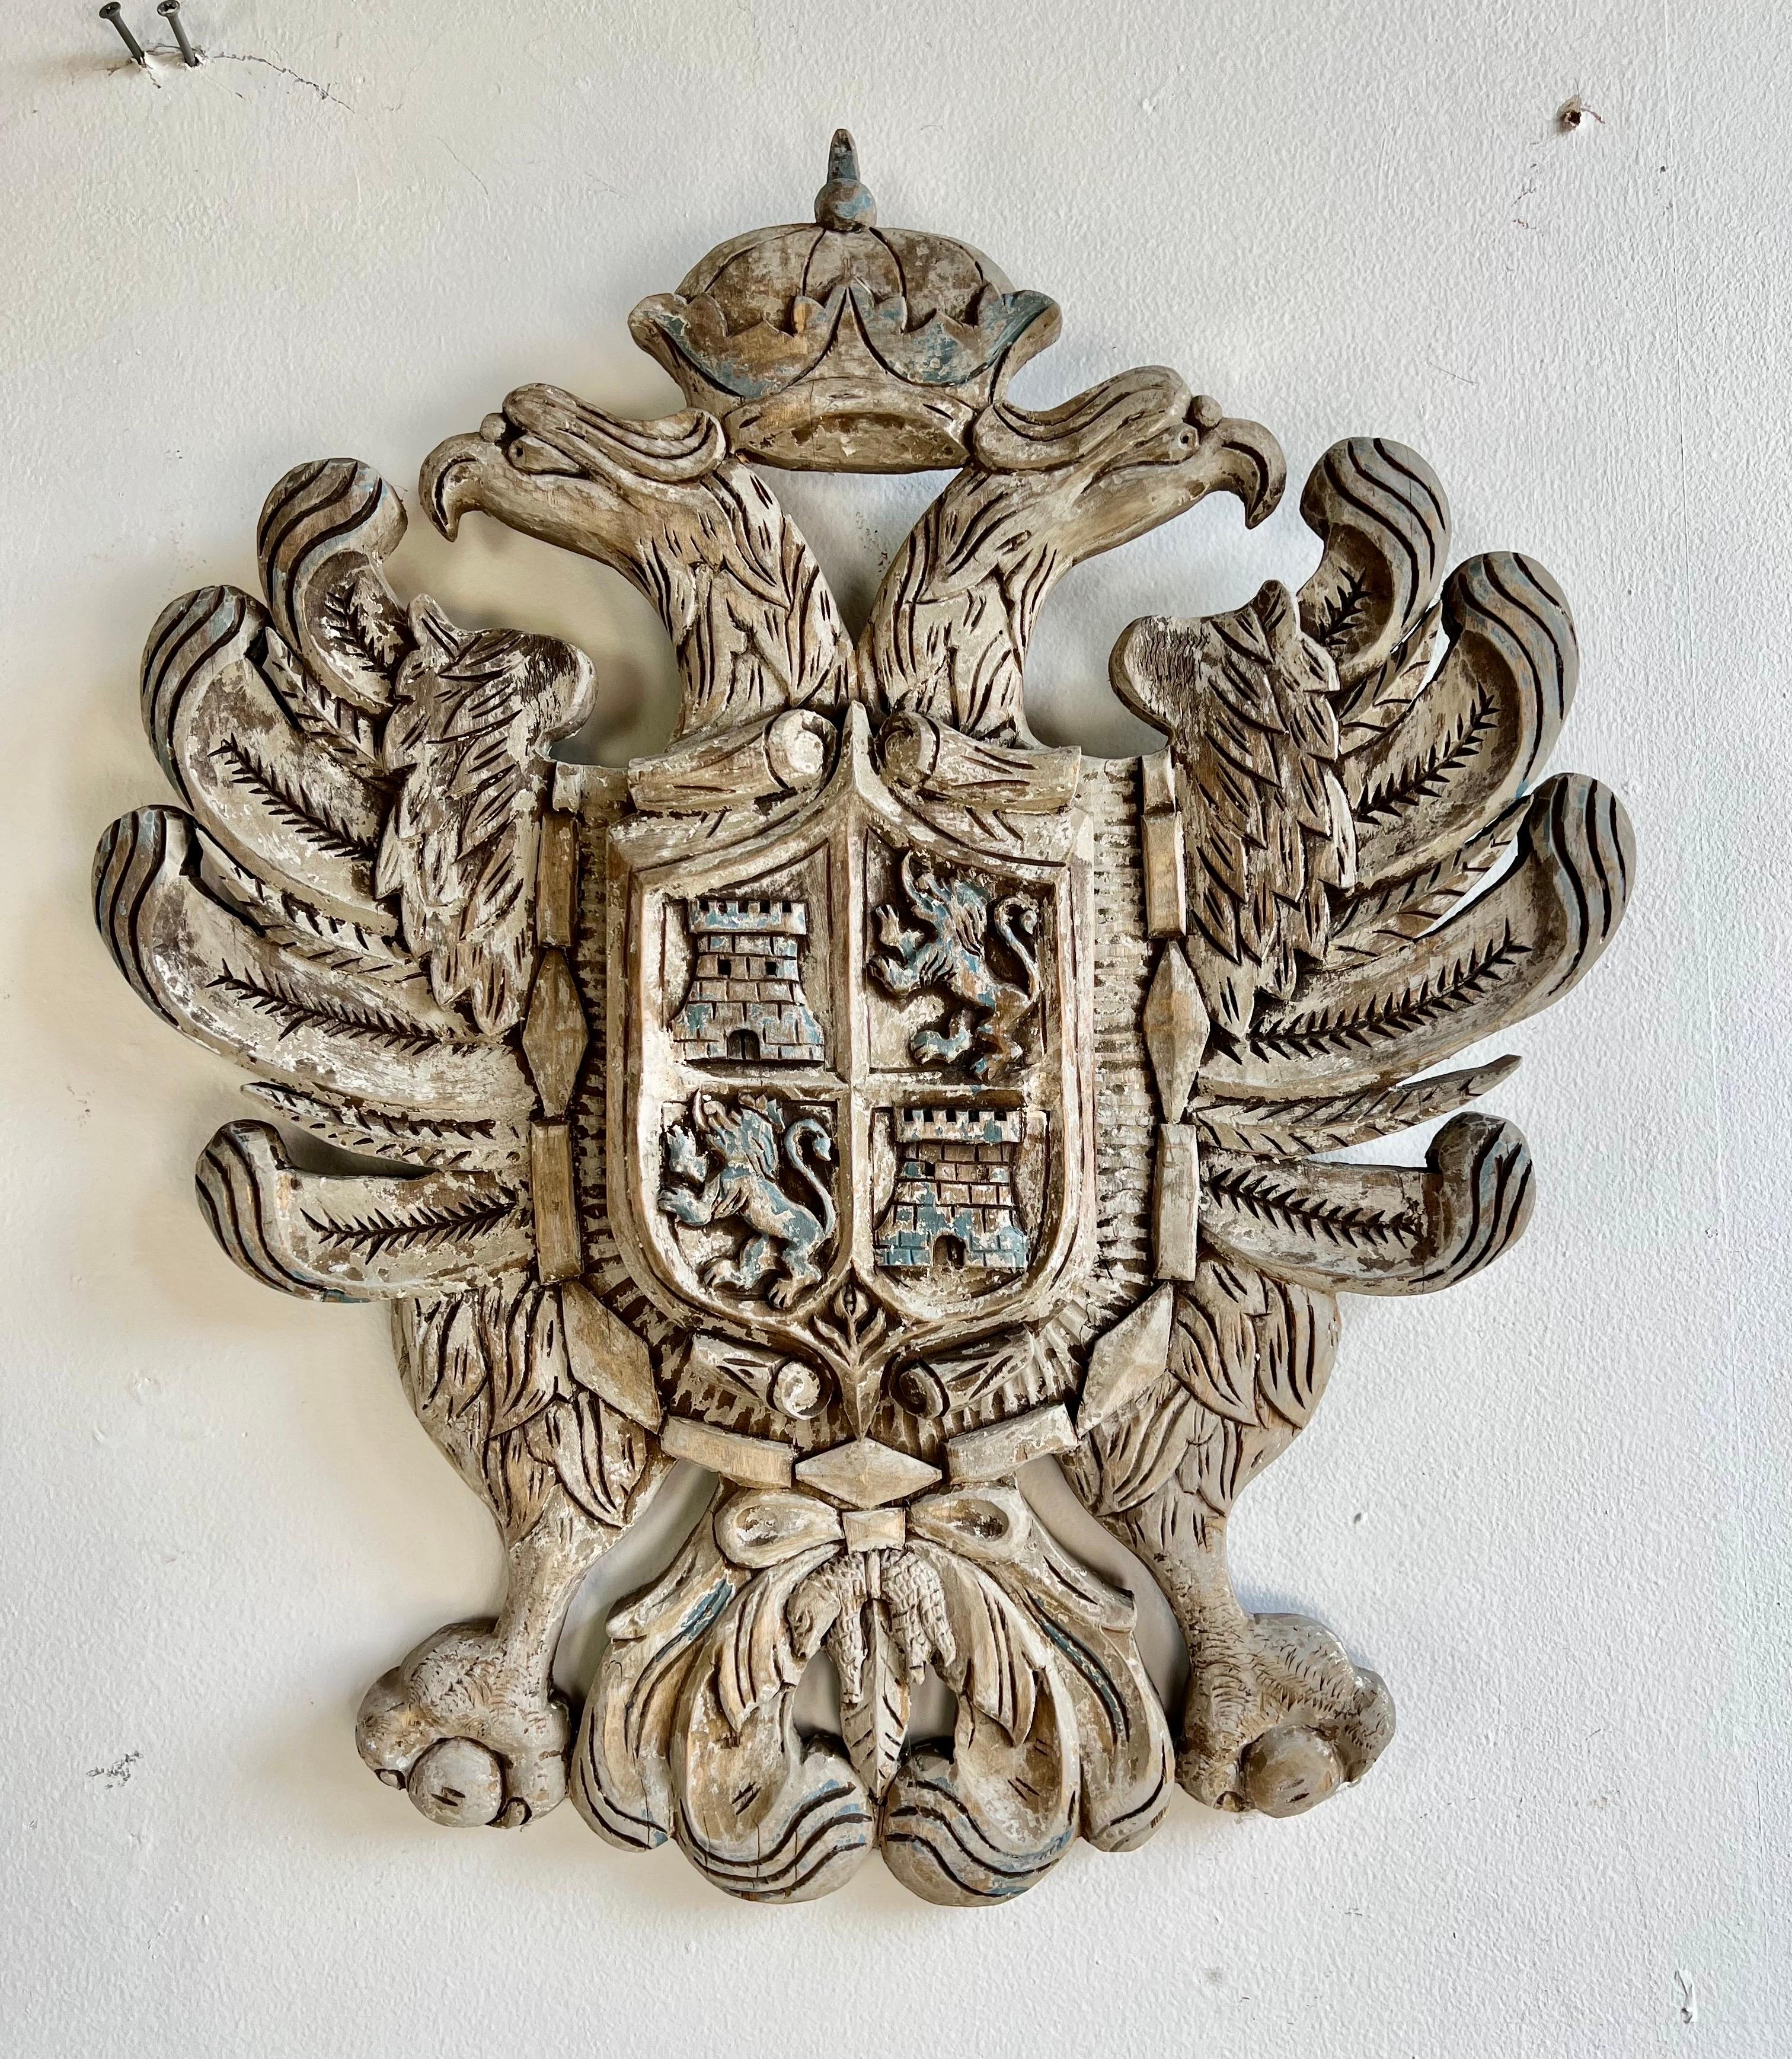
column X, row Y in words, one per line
column 851, row 1072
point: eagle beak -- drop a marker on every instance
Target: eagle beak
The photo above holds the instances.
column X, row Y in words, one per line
column 1242, row 458
column 552, row 467
column 486, row 471
column 450, row 480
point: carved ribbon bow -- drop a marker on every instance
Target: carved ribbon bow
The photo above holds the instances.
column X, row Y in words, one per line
column 877, row 1603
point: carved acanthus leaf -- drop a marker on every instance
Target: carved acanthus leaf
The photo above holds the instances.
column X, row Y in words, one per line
column 999, row 1656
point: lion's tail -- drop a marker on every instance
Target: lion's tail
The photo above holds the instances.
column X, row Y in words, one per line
column 1006, row 911
column 808, row 1126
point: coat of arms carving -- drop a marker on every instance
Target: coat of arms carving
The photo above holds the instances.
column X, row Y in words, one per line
column 859, row 1098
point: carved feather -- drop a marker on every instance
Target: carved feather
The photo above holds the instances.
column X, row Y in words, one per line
column 1249, row 1356
column 1386, row 526
column 206, row 970
column 1253, row 1350
column 1300, row 1125
column 1247, row 699
column 319, row 710
column 355, row 1238
column 1501, row 957
column 285, row 917
column 480, row 1144
column 288, row 806
column 473, row 716
column 1386, row 695
column 999, row 1657
column 1395, row 911
column 486, row 1370
column 1480, row 728
column 325, row 532
column 1374, row 1229
column 873, row 1725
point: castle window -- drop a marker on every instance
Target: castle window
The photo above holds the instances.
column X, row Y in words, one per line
column 742, row 1043
column 724, row 967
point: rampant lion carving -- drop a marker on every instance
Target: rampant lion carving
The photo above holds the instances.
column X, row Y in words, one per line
column 746, row 1135
column 949, row 954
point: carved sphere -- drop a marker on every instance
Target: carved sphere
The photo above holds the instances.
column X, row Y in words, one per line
column 1287, row 1771
column 457, row 1782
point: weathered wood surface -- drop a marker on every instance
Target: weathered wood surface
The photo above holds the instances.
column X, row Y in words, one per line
column 855, row 1098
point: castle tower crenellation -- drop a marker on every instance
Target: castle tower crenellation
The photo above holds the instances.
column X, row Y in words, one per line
column 955, row 1184
column 745, row 999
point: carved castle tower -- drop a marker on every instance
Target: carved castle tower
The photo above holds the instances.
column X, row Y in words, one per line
column 746, row 999
column 954, row 1181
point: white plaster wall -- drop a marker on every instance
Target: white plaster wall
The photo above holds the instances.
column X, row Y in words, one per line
column 1550, row 1506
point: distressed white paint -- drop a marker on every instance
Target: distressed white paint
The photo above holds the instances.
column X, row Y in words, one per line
column 1551, row 1508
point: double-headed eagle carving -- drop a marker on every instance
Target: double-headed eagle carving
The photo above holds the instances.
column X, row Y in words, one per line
column 858, row 1098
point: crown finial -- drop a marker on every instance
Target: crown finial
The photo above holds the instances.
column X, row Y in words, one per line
column 842, row 346
column 843, row 203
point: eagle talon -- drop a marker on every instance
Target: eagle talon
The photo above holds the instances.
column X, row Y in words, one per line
column 1281, row 1724
column 466, row 1732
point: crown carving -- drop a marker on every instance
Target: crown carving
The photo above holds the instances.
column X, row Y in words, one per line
column 838, row 345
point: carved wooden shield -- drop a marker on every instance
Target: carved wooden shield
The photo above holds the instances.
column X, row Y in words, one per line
column 843, row 1123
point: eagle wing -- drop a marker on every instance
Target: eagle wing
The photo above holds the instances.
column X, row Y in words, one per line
column 1376, row 881
column 344, row 906
column 1252, row 702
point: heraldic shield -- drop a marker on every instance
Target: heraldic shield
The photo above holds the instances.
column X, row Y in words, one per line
column 857, row 1098
column 851, row 1063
